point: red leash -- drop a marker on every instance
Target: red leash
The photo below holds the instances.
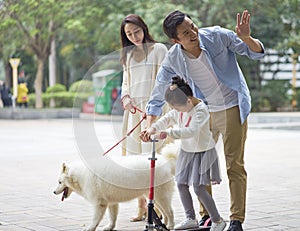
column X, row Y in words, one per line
column 128, row 134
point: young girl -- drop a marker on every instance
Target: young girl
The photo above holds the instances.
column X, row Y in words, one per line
column 141, row 57
column 197, row 163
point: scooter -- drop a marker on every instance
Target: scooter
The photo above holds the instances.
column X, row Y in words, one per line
column 154, row 221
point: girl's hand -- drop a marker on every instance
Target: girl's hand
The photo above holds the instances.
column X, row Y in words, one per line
column 160, row 135
column 145, row 135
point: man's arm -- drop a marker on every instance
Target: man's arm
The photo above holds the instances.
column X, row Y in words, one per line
column 162, row 81
column 253, row 44
column 144, row 135
column 156, row 102
column 243, row 31
column 150, row 120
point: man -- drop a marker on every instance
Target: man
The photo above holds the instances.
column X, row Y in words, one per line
column 206, row 59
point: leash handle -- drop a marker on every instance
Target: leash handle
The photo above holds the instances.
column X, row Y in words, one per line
column 134, row 109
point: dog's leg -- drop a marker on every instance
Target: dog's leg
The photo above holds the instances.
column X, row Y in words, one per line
column 99, row 211
column 167, row 211
column 164, row 203
column 113, row 210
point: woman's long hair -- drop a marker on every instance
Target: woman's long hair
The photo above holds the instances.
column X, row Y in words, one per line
column 127, row 46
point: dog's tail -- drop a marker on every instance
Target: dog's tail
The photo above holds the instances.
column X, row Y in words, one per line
column 170, row 151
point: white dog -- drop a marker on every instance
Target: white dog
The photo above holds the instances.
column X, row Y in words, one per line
column 119, row 179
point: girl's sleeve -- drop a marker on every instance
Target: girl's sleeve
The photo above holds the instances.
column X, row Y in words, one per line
column 199, row 119
column 165, row 121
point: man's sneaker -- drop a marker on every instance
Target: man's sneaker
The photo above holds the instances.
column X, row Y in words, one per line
column 218, row 226
column 235, row 225
column 187, row 224
column 205, row 221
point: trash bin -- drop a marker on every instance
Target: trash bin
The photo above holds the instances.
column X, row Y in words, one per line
column 104, row 83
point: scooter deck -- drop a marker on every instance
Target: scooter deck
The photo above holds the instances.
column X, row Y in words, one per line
column 207, row 228
column 159, row 226
column 194, row 229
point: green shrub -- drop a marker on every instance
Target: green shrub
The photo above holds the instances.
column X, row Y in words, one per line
column 276, row 91
column 271, row 96
column 82, row 86
column 259, row 101
column 56, row 88
column 62, row 99
column 31, row 100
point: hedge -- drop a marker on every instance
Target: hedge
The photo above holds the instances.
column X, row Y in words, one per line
column 77, row 94
column 62, row 99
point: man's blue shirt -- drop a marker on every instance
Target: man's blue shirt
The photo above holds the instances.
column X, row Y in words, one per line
column 220, row 46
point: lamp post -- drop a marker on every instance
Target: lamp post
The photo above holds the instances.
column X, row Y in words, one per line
column 14, row 62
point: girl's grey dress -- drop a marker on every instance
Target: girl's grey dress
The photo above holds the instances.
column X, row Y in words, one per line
column 200, row 168
column 197, row 161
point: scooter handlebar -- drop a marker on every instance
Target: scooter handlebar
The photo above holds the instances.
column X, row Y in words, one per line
column 159, row 136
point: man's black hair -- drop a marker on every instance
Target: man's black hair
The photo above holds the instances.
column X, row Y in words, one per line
column 172, row 20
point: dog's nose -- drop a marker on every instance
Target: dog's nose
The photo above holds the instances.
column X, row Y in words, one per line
column 54, row 192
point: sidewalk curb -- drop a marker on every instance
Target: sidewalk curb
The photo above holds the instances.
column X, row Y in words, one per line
column 275, row 120
column 44, row 113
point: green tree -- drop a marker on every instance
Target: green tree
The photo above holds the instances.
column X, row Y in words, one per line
column 96, row 33
column 8, row 46
column 35, row 21
column 38, row 22
column 291, row 21
column 84, row 31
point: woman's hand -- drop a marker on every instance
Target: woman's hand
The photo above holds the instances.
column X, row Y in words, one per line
column 127, row 102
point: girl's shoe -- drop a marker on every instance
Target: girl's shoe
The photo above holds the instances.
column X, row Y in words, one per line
column 218, row 226
column 142, row 213
column 187, row 224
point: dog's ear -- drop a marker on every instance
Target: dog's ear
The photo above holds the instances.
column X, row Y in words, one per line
column 64, row 168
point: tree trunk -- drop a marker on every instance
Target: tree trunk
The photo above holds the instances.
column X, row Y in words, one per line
column 52, row 70
column 38, row 84
column 8, row 74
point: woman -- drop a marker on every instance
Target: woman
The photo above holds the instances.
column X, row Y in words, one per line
column 141, row 57
column 22, row 98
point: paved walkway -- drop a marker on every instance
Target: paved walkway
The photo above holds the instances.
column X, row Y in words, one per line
column 32, row 151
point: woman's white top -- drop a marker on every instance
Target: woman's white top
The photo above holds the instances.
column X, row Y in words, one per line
column 139, row 77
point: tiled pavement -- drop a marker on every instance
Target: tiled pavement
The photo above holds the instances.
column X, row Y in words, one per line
column 32, row 151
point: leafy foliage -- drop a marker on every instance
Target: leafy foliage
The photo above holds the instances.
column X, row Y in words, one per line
column 84, row 31
column 271, row 97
